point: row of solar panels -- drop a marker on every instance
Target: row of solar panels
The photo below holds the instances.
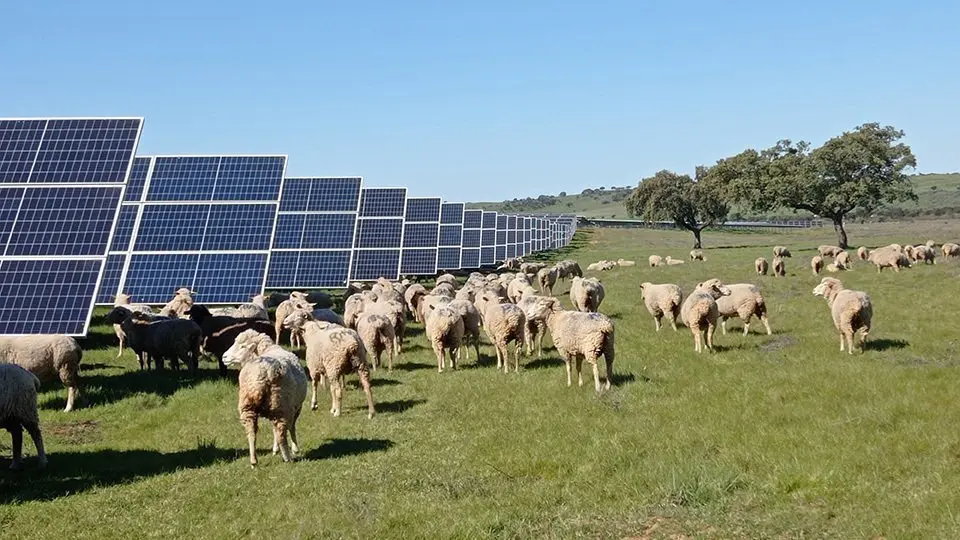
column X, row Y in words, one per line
column 83, row 219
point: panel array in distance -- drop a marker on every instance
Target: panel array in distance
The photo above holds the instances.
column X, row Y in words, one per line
column 313, row 245
column 61, row 181
column 379, row 237
column 201, row 222
column 451, row 236
column 421, row 230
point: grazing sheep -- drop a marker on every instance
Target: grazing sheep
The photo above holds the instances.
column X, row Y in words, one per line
column 744, row 301
column 586, row 294
column 332, row 352
column 696, row 255
column 908, row 251
column 444, row 329
column 891, row 256
column 863, row 253
column 256, row 309
column 924, row 254
column 546, row 278
column 950, row 249
column 219, row 332
column 779, row 268
column 578, row 336
column 780, row 251
column 376, row 332
column 671, row 261
column 761, row 266
column 568, row 268
column 700, row 312
column 18, row 411
column 655, row 260
column 816, row 264
column 624, row 262
column 295, row 302
column 471, row 324
column 412, row 297
column 271, row 384
column 851, row 311
column 177, row 340
column 392, row 310
column 180, row 304
column 662, row 299
column 444, row 289
column 829, row 251
column 516, row 286
column 835, row 267
column 597, row 266
column 123, row 299
column 48, row 357
column 843, row 260
column 531, row 269
column 504, row 323
column 536, row 322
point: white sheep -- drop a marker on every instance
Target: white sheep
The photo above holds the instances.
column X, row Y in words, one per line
column 816, row 264
column 851, row 311
column 271, row 384
column 471, row 324
column 950, row 249
column 700, row 312
column 829, row 251
column 504, row 323
column 672, row 262
column 123, row 299
column 842, row 260
column 547, row 278
column 181, row 303
column 412, row 298
column 697, row 255
column 745, row 302
column 395, row 312
column 780, row 251
column 925, row 255
column 863, row 253
column 655, row 260
column 761, row 266
column 516, row 286
column 536, row 323
column 255, row 309
column 377, row 333
column 48, row 356
column 18, row 411
column 580, row 336
column 444, row 329
column 892, row 256
column 662, row 299
column 779, row 267
column 625, row 262
column 447, row 278
column 586, row 294
column 297, row 301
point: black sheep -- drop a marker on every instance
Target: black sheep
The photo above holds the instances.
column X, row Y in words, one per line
column 156, row 338
column 219, row 331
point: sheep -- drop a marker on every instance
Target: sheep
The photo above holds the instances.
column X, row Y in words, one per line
column 471, row 324
column 431, row 302
column 18, row 411
column 352, row 308
column 123, row 299
column 908, row 251
column 467, row 293
column 816, row 264
column 596, row 266
column 851, row 311
column 376, row 332
column 382, row 286
column 394, row 311
column 531, row 269
column 444, row 329
column 536, row 322
column 863, row 253
column 700, row 312
column 696, row 255
column 47, row 356
column 835, row 267
column 670, row 261
column 925, row 255
column 178, row 339
column 412, row 297
column 256, row 309
column 515, row 287
column 828, row 250
column 568, row 268
column 779, row 268
column 547, row 278
column 271, row 384
column 178, row 306
column 296, row 301
column 780, row 251
column 449, row 279
column 332, row 352
column 655, row 260
column 744, row 301
column 842, row 259
column 512, row 263
column 586, row 294
column 504, row 323
column 930, row 244
column 662, row 299
column 889, row 257
column 219, row 332
column 950, row 249
column 444, row 289
column 390, row 295
column 761, row 266
column 578, row 336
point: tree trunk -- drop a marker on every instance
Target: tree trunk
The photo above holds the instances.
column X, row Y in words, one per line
column 841, row 232
column 696, row 236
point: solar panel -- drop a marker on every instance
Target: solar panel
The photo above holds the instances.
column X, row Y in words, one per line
column 470, row 246
column 202, row 222
column 500, row 253
column 511, row 236
column 451, row 236
column 379, row 235
column 421, row 231
column 488, row 239
column 61, row 183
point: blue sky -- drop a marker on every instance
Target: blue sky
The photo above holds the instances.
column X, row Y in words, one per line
column 490, row 100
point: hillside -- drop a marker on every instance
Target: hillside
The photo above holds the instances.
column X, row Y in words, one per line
column 939, row 195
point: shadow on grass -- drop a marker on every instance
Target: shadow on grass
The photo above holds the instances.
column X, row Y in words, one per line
column 411, row 331
column 337, row 448
column 883, row 344
column 98, row 390
column 399, row 406
column 412, row 366
column 376, row 380
column 69, row 473
column 620, row 379
column 91, row 367
column 542, row 363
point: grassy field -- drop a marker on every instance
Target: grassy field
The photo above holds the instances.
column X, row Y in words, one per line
column 776, row 436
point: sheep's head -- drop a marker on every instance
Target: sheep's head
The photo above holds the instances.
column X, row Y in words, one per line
column 198, row 312
column 644, row 287
column 117, row 315
column 183, row 291
column 828, row 288
column 121, row 299
column 297, row 319
column 247, row 346
column 715, row 287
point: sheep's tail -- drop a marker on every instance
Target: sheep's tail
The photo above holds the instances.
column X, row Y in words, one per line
column 608, row 353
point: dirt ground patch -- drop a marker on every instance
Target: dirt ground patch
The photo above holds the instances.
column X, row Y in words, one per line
column 79, row 432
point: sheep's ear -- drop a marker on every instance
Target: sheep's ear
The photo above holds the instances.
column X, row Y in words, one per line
column 699, row 285
column 311, row 305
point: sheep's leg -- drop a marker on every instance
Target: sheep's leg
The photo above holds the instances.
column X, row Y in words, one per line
column 697, row 347
column 766, row 324
column 280, row 433
column 336, row 396
column 294, row 443
column 438, row 350
column 596, row 373
column 16, row 432
column 476, row 345
column 656, row 322
column 566, row 362
column 579, row 361
column 673, row 322
column 746, row 324
column 34, row 431
column 711, row 327
column 390, row 357
column 863, row 337
column 276, row 440
column 841, row 341
column 71, row 396
column 249, row 419
column 540, row 345
column 723, row 325
column 365, row 383
column 120, row 351
column 496, row 345
column 849, row 336
column 313, row 398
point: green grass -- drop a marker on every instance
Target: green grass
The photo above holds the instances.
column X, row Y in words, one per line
column 776, row 436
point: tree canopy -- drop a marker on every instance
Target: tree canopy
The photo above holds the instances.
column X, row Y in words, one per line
column 691, row 204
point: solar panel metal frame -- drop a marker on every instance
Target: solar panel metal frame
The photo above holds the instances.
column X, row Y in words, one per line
column 441, row 246
column 122, row 185
column 144, row 202
column 361, row 218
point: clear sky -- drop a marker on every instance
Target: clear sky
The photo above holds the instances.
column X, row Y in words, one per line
column 490, row 100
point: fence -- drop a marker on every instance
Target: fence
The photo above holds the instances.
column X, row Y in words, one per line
column 637, row 223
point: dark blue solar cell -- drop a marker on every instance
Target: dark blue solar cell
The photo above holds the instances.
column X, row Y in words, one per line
column 86, row 151
column 124, row 229
column 249, row 178
column 382, row 202
column 489, row 220
column 511, row 237
column 229, row 277
column 329, row 231
column 317, row 269
column 471, row 238
column 64, row 221
column 152, row 279
column 500, row 253
column 334, row 195
column 238, row 227
column 19, row 142
column 138, row 179
column 512, row 222
column 487, row 256
column 379, row 233
column 107, row 292
column 502, row 221
column 451, row 214
column 472, row 219
column 47, row 296
column 282, row 273
column 370, row 264
column 511, row 251
column 470, row 258
column 420, row 235
column 183, row 178
column 418, row 262
column 501, row 238
column 296, row 194
column 289, row 233
column 172, row 228
column 448, row 258
column 488, row 237
column 423, row 209
column 9, row 204
column 450, row 235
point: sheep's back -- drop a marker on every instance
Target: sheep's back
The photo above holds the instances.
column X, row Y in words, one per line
column 46, row 356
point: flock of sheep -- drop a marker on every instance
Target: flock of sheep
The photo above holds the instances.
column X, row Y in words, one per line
column 514, row 307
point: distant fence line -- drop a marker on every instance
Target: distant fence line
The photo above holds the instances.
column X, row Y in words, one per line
column 638, row 223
